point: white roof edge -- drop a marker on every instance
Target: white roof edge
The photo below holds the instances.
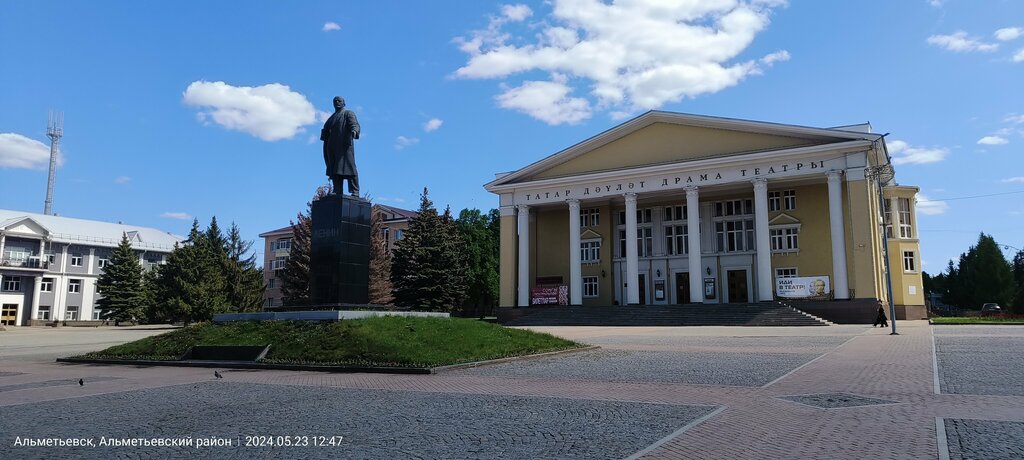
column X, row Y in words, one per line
column 72, row 230
column 655, row 116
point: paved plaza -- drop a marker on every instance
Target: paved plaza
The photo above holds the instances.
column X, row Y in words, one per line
column 701, row 392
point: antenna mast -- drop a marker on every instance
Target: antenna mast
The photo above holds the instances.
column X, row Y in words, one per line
column 54, row 130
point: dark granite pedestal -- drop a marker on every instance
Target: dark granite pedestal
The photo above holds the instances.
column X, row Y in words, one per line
column 339, row 265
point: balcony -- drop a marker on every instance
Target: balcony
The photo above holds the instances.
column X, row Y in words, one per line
column 31, row 262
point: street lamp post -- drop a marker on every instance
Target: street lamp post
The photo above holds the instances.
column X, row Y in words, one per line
column 884, row 173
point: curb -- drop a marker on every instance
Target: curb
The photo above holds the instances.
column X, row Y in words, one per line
column 453, row 367
column 252, row 365
column 315, row 368
column 976, row 324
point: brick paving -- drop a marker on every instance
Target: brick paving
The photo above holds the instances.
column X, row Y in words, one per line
column 752, row 422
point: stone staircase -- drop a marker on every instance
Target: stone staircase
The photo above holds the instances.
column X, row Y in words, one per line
column 753, row 314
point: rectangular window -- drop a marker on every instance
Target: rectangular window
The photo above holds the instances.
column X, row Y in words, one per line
column 590, row 251
column 270, row 301
column 283, row 243
column 789, row 199
column 104, row 263
column 590, row 217
column 17, row 255
column 774, row 201
column 644, row 242
column 49, row 259
column 74, row 286
column 905, row 230
column 386, row 234
column 44, row 312
column 270, row 283
column 12, row 283
column 786, row 272
column 785, row 239
column 590, row 286
column 735, row 235
column 46, row 285
column 676, row 240
column 76, row 260
column 278, row 263
column 673, row 213
column 734, row 208
column 398, row 234
column 909, row 262
column 97, row 314
column 71, row 313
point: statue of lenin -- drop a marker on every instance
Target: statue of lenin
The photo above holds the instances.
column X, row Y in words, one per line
column 339, row 135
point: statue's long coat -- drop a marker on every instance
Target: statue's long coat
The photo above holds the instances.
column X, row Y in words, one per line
column 339, row 149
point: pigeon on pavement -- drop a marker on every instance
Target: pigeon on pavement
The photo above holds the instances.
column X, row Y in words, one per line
column 217, row 374
column 81, row 382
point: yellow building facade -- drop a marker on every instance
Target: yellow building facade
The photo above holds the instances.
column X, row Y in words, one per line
column 612, row 218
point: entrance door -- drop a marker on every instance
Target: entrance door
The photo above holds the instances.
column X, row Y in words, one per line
column 9, row 314
column 682, row 288
column 737, row 284
column 642, row 284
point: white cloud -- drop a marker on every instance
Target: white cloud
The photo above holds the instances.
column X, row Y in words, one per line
column 1008, row 33
column 176, row 215
column 393, row 200
column 122, row 180
column 1019, row 57
column 960, row 42
column 904, row 153
column 516, row 13
column 935, row 3
column 1014, row 118
column 432, row 124
column 402, row 142
column 931, row 208
column 270, row 112
column 993, row 140
column 329, row 26
column 630, row 54
column 17, row 151
column 1014, row 180
column 547, row 101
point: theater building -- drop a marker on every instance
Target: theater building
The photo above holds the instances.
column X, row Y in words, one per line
column 673, row 208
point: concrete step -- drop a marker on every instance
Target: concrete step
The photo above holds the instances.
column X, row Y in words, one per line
column 769, row 314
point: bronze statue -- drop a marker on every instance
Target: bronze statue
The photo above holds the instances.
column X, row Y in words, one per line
column 339, row 135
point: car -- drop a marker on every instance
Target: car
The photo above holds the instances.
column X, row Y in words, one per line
column 991, row 309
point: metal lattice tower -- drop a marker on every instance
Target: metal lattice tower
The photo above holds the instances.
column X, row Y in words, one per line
column 54, row 130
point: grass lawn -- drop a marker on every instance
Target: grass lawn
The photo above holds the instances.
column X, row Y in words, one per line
column 977, row 320
column 392, row 341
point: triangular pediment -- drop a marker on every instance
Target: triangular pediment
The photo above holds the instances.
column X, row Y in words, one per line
column 783, row 219
column 661, row 138
column 24, row 226
column 589, row 234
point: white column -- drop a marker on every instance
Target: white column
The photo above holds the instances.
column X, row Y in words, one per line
column 632, row 262
column 35, row 297
column 894, row 213
column 835, row 218
column 763, row 242
column 42, row 254
column 3, row 241
column 693, row 235
column 575, row 269
column 524, row 255
column 92, row 260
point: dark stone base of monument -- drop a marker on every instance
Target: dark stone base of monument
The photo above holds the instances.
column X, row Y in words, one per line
column 339, row 265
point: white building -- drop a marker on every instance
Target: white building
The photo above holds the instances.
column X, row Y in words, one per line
column 49, row 264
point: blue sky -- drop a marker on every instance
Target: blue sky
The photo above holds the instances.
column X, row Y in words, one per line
column 180, row 109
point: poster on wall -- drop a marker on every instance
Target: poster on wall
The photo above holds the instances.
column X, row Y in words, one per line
column 802, row 287
column 550, row 295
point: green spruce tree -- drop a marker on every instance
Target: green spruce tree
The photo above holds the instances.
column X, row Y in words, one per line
column 428, row 269
column 245, row 286
column 381, row 290
column 191, row 285
column 295, row 274
column 1018, row 276
column 120, row 285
